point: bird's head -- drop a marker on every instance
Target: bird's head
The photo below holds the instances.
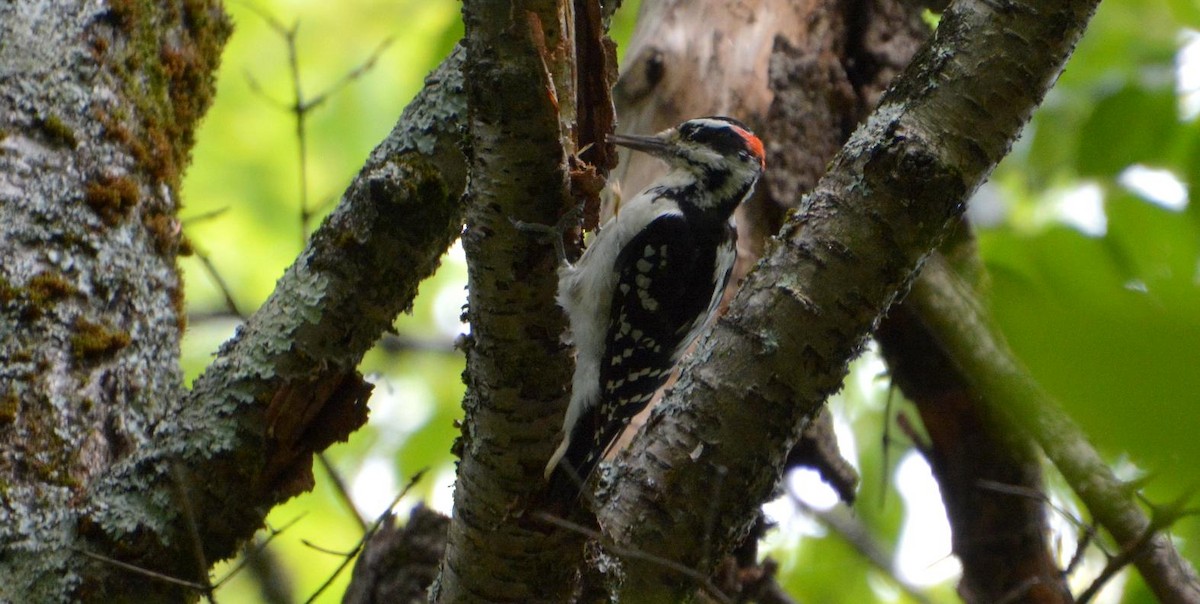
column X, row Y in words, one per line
column 706, row 147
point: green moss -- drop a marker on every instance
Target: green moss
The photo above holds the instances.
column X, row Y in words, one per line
column 48, row 288
column 58, row 132
column 9, row 404
column 8, row 293
column 39, row 295
column 125, row 13
column 164, row 230
column 111, row 197
column 169, row 80
column 92, row 341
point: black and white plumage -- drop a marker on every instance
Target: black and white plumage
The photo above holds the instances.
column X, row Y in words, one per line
column 648, row 283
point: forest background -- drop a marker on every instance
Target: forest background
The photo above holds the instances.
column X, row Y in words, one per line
column 1087, row 229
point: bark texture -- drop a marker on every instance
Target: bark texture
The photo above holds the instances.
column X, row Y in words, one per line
column 850, row 252
column 802, row 74
column 98, row 103
column 105, row 459
column 399, row 563
column 524, row 94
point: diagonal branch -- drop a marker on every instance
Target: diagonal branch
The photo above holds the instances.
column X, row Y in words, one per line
column 837, row 265
column 1000, row 539
column 285, row 386
column 956, row 317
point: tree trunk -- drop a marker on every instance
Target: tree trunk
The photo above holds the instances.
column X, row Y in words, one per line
column 116, row 484
column 96, row 125
column 537, row 90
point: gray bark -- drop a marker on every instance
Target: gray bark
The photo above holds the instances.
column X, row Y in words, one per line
column 97, row 110
column 523, row 95
column 105, row 460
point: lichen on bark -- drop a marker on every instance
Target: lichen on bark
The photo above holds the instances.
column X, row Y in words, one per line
column 98, row 114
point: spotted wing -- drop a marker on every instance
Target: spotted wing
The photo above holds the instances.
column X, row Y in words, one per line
column 664, row 291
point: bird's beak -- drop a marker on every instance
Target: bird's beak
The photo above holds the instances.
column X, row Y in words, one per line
column 649, row 144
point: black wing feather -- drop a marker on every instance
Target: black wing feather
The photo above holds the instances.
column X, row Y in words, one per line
column 665, row 284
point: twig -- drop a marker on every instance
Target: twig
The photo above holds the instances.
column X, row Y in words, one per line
column 1030, row 493
column 387, row 514
column 1162, row 517
column 392, row 343
column 886, row 444
column 326, row 550
column 860, row 540
column 209, row 215
column 339, row 487
column 954, row 313
column 261, row 546
column 206, row 589
column 226, row 293
column 1087, row 532
column 264, row 567
column 352, row 75
column 142, row 571
column 625, row 552
column 301, row 105
column 1114, row 566
column 189, row 517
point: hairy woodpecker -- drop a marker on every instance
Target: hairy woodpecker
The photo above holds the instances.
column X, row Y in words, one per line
column 648, row 283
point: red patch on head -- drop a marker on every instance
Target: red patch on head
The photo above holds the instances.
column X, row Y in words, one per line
column 755, row 145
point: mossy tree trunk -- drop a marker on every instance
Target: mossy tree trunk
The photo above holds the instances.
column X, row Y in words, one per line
column 115, row 483
column 97, row 112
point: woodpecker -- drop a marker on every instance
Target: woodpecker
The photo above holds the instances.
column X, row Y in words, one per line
column 648, row 283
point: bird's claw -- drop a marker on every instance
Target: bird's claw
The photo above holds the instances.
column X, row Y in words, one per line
column 555, row 232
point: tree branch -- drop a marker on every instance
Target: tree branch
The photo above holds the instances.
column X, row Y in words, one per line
column 285, row 386
column 1000, row 539
column 400, row 562
column 525, row 95
column 837, row 265
column 961, row 325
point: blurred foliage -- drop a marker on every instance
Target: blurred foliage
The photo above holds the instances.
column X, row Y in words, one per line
column 1108, row 318
column 1095, row 273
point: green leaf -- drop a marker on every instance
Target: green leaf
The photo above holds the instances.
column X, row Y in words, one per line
column 1122, row 361
column 1133, row 125
column 1187, row 12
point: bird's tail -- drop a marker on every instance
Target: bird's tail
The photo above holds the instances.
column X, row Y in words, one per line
column 578, row 456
